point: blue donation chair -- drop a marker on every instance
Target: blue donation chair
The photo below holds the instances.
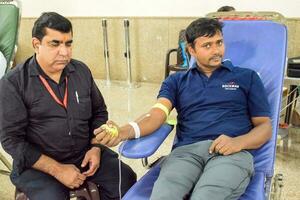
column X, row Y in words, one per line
column 261, row 46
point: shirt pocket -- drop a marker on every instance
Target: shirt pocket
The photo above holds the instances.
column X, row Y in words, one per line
column 83, row 108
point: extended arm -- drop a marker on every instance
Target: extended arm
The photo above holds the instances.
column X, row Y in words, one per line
column 147, row 123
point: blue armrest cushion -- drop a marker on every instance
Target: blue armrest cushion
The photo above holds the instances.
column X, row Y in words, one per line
column 145, row 146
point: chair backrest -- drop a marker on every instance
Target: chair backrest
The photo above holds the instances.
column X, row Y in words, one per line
column 247, row 15
column 9, row 26
column 182, row 54
column 261, row 46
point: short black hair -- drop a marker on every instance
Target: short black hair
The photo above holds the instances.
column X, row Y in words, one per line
column 226, row 9
column 207, row 27
column 50, row 20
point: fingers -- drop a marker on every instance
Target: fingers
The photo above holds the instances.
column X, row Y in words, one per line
column 78, row 175
column 78, row 181
column 93, row 168
column 81, row 177
column 76, row 184
column 70, row 176
column 102, row 136
column 71, row 186
column 110, row 123
column 213, row 145
column 106, row 134
column 88, row 172
column 94, row 141
column 218, row 144
column 220, row 147
column 225, row 145
column 113, row 142
column 223, row 149
column 93, row 158
column 227, row 152
column 99, row 130
column 85, row 161
column 105, row 139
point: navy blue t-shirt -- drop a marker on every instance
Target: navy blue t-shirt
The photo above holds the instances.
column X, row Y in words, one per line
column 221, row 104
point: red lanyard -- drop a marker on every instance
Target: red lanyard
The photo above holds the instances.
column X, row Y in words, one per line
column 46, row 84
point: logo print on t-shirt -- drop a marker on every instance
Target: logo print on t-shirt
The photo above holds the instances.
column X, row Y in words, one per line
column 230, row 86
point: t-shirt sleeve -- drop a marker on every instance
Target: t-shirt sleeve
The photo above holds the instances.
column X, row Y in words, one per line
column 258, row 103
column 169, row 89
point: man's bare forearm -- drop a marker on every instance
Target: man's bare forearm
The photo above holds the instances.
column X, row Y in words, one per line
column 150, row 121
column 147, row 124
column 259, row 135
column 47, row 165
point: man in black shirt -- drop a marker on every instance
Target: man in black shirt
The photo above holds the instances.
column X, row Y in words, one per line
column 49, row 108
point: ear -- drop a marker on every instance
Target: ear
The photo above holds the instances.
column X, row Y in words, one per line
column 191, row 50
column 35, row 44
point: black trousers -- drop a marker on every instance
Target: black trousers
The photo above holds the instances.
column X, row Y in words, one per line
column 38, row 185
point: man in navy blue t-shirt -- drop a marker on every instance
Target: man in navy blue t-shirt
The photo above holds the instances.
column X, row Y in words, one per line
column 222, row 112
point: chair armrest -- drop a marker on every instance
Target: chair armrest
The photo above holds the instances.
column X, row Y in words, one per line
column 145, row 146
column 168, row 56
column 167, row 63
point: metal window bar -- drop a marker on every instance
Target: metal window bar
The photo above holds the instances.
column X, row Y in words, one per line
column 294, row 100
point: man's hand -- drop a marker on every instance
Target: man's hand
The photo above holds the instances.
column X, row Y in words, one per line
column 105, row 138
column 225, row 145
column 70, row 176
column 92, row 157
column 67, row 174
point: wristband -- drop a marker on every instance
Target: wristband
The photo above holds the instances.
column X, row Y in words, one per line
column 136, row 128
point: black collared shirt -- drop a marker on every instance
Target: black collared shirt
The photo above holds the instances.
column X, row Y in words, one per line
column 33, row 123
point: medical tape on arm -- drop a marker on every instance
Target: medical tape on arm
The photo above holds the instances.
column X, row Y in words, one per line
column 162, row 107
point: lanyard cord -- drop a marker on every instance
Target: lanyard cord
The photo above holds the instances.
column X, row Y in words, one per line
column 51, row 92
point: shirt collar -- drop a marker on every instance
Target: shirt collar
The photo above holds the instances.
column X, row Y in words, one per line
column 227, row 64
column 36, row 70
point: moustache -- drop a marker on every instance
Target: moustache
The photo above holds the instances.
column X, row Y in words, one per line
column 218, row 56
